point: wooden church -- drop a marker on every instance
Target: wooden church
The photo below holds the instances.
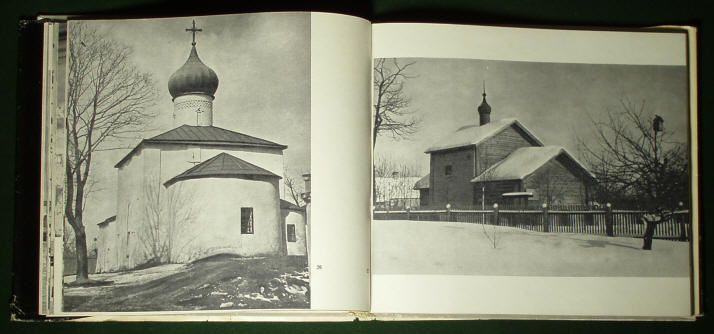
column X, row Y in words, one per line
column 501, row 162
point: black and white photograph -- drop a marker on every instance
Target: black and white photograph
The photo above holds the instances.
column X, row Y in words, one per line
column 187, row 164
column 515, row 168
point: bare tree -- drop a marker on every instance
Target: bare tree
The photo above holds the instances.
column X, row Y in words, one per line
column 107, row 96
column 550, row 188
column 634, row 163
column 395, row 181
column 294, row 189
column 486, row 184
column 391, row 107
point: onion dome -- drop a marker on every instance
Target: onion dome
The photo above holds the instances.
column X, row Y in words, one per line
column 484, row 108
column 194, row 77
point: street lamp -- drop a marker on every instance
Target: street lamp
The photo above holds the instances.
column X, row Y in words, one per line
column 657, row 126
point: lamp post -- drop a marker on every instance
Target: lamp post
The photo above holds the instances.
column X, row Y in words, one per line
column 657, row 126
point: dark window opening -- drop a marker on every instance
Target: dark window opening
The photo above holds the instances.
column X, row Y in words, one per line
column 246, row 220
column 448, row 170
column 291, row 233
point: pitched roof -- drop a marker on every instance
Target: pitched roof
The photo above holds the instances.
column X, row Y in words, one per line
column 523, row 162
column 286, row 205
column 203, row 135
column 423, row 183
column 473, row 134
column 222, row 165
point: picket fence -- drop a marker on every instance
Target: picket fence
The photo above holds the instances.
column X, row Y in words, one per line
column 623, row 223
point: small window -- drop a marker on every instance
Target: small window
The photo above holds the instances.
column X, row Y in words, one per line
column 291, row 233
column 246, row 220
column 447, row 170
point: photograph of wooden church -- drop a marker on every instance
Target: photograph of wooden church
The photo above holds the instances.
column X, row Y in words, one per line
column 516, row 168
column 201, row 192
column 501, row 162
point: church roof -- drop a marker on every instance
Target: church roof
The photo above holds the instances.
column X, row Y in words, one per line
column 524, row 162
column 423, row 183
column 222, row 165
column 287, row 205
column 471, row 135
column 203, row 135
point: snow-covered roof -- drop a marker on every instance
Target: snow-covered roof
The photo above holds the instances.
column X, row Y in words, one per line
column 473, row 134
column 523, row 162
column 222, row 165
column 518, row 194
column 395, row 187
column 423, row 183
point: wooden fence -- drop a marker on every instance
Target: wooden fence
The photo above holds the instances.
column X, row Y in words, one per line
column 625, row 223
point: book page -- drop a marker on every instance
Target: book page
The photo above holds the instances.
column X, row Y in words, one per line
column 202, row 159
column 509, row 166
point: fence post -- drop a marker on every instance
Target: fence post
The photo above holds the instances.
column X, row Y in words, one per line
column 409, row 216
column 608, row 221
column 495, row 213
column 546, row 220
column 448, row 212
column 682, row 224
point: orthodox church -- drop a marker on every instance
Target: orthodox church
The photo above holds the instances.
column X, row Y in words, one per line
column 501, row 162
column 198, row 189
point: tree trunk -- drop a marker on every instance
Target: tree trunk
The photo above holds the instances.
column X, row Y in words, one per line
column 82, row 264
column 649, row 234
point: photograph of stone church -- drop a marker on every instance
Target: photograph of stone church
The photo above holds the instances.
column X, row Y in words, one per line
column 199, row 166
column 514, row 168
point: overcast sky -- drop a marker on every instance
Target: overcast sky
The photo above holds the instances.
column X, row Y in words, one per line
column 553, row 100
column 263, row 65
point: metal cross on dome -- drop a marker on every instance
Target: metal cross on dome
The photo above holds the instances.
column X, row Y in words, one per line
column 193, row 31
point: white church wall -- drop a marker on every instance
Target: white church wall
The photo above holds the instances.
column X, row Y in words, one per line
column 136, row 178
column 104, row 247
column 297, row 218
column 216, row 227
column 128, row 199
column 125, row 244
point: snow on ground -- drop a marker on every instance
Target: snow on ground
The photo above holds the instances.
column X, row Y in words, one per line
column 450, row 248
column 122, row 278
column 218, row 282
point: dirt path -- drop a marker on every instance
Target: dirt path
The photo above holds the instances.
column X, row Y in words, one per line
column 220, row 282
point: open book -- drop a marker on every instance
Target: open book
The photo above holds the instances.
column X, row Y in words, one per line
column 314, row 166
